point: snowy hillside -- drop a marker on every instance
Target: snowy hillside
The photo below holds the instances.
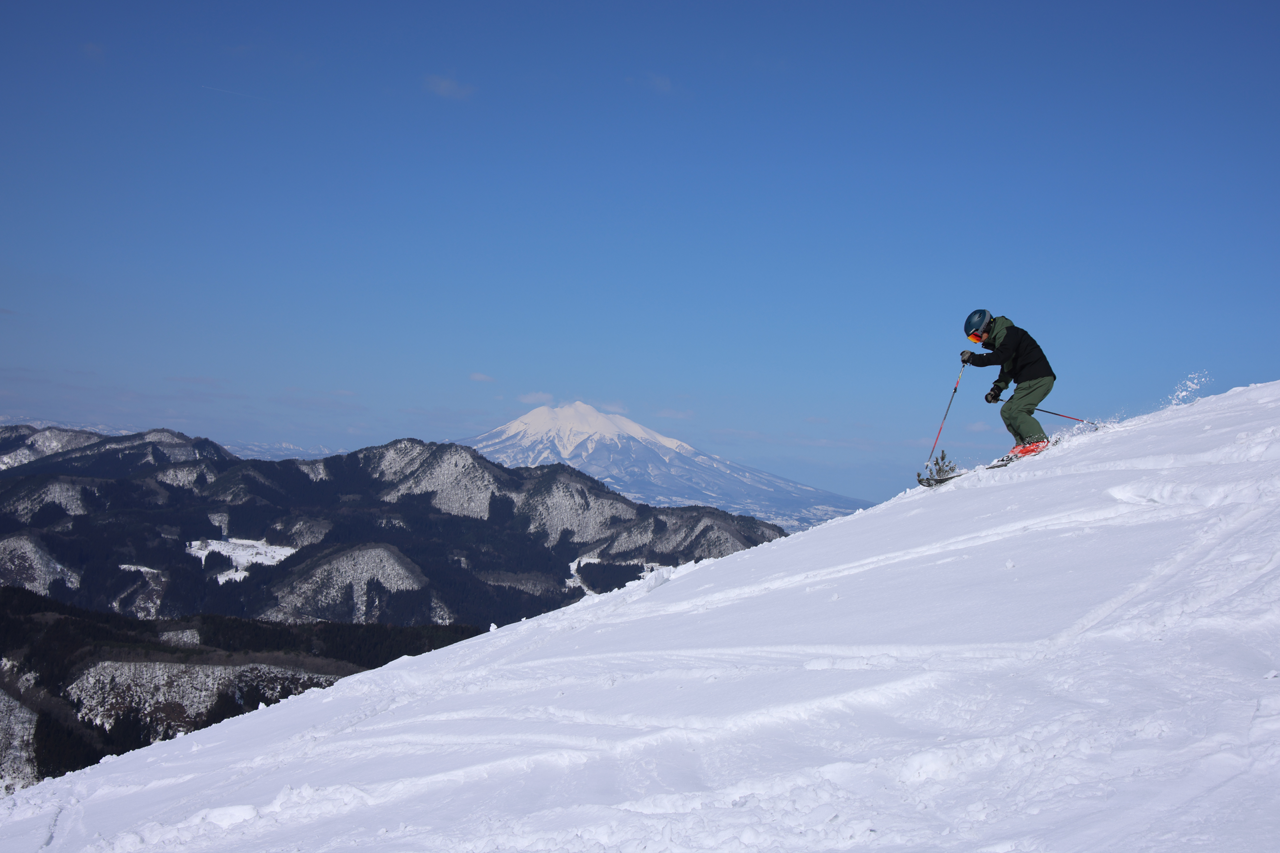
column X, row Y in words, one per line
column 1076, row 653
column 654, row 469
column 279, row 450
column 24, row 443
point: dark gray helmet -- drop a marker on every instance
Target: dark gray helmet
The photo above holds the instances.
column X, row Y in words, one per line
column 977, row 323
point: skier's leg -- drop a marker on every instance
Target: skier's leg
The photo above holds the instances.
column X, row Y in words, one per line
column 1018, row 413
column 1005, row 415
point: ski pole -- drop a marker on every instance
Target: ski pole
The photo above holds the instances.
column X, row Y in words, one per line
column 947, row 412
column 1068, row 417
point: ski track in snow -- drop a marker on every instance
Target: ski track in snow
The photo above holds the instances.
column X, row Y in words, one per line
column 1076, row 653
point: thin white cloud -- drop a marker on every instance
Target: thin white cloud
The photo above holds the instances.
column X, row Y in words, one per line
column 672, row 413
column 481, row 377
column 540, row 398
column 660, row 83
column 614, row 408
column 447, row 87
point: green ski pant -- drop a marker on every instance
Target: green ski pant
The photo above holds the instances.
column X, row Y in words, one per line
column 1018, row 411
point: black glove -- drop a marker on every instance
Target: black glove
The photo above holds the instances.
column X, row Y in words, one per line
column 965, row 355
column 993, row 396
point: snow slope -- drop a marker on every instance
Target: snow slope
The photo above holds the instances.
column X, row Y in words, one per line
column 1076, row 653
column 651, row 468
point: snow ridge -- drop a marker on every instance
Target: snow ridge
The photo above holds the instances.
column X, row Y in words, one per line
column 41, row 443
column 334, row 587
column 27, row 564
column 1078, row 652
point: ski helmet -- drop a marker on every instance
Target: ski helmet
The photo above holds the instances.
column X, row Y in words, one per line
column 977, row 322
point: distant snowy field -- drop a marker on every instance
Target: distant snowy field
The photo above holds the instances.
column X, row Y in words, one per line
column 1076, row 653
column 242, row 553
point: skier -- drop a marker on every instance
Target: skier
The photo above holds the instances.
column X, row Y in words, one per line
column 1022, row 363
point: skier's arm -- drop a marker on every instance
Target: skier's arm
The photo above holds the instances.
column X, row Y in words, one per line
column 1000, row 355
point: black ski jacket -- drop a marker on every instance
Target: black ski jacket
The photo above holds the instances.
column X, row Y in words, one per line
column 1019, row 356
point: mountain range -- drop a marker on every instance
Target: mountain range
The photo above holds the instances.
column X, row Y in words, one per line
column 275, row 451
column 654, row 469
column 161, row 525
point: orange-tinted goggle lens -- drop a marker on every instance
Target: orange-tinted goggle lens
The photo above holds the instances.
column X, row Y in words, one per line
column 976, row 337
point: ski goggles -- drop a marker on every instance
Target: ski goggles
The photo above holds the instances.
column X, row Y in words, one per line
column 976, row 337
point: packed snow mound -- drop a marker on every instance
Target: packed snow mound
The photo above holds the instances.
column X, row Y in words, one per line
column 1078, row 652
column 652, row 468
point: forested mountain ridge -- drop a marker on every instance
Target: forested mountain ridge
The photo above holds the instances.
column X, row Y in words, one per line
column 407, row 533
column 76, row 685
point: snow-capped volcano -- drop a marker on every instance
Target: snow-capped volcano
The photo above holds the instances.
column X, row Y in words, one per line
column 550, row 435
column 1079, row 652
column 654, row 469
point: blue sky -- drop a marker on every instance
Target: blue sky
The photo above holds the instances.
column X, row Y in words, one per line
column 756, row 227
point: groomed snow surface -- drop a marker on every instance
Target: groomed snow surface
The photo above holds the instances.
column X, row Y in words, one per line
column 1076, row 653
